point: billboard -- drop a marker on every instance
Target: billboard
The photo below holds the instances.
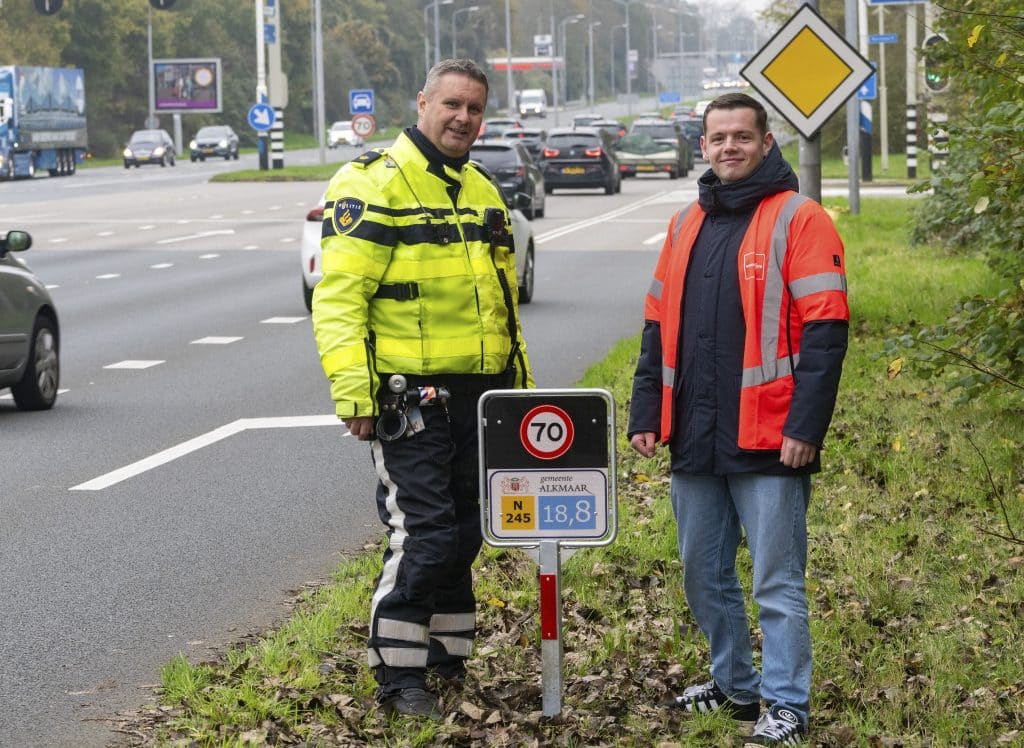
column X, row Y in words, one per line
column 187, row 85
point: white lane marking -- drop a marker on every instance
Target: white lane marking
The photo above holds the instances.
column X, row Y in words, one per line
column 58, row 240
column 51, row 286
column 215, row 340
column 162, row 265
column 203, row 440
column 251, row 246
column 657, row 238
column 216, row 216
column 105, row 233
column 147, row 227
column 108, row 276
column 281, row 320
column 287, row 240
column 200, row 235
column 134, row 364
column 209, row 256
column 182, row 221
column 588, row 222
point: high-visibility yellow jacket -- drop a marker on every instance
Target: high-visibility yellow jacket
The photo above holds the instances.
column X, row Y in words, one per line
column 413, row 281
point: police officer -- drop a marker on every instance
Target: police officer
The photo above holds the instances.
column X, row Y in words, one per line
column 414, row 319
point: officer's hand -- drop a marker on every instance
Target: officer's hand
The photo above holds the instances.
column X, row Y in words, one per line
column 361, row 427
column 795, row 453
column 645, row 442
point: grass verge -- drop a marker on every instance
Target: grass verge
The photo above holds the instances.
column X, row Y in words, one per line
column 914, row 580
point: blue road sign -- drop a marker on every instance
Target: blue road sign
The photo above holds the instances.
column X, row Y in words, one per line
column 868, row 90
column 883, row 38
column 360, row 100
column 269, row 33
column 669, row 97
column 261, row 117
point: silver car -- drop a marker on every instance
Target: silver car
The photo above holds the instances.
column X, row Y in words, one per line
column 29, row 333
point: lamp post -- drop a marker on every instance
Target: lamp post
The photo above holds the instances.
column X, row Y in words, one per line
column 565, row 53
column 437, row 34
column 654, row 58
column 629, row 83
column 455, row 14
column 590, row 61
column 612, row 66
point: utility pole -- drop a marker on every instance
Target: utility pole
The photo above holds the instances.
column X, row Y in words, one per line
column 810, row 155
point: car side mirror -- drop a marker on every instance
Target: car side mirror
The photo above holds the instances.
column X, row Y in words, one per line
column 15, row 241
column 522, row 201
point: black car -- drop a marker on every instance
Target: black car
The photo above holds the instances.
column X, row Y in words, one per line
column 149, row 147
column 580, row 157
column 666, row 131
column 532, row 139
column 515, row 171
column 692, row 127
column 214, row 140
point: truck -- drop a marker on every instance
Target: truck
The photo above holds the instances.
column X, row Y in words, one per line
column 42, row 120
column 533, row 102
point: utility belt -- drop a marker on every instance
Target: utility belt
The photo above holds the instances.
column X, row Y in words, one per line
column 401, row 397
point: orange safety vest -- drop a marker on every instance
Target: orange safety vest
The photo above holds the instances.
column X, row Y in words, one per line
column 791, row 271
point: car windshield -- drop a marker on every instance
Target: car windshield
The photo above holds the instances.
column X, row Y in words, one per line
column 638, row 143
column 212, row 132
column 494, row 158
column 145, row 136
column 341, row 126
column 655, row 130
column 574, row 140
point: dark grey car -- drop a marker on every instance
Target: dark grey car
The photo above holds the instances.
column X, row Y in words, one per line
column 516, row 172
column 214, row 140
column 29, row 333
column 149, row 147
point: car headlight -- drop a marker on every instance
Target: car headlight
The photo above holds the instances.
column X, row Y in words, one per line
column 193, row 145
column 158, row 151
column 128, row 153
column 223, row 143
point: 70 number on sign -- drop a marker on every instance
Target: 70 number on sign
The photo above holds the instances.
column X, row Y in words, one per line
column 546, row 432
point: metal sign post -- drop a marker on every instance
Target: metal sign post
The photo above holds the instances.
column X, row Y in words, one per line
column 547, row 481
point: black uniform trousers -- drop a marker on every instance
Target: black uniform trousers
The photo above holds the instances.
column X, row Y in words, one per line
column 423, row 612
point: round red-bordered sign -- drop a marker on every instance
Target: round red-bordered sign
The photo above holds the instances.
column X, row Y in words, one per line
column 546, row 432
column 364, row 125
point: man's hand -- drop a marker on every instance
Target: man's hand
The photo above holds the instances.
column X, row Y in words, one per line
column 795, row 453
column 361, row 427
column 644, row 442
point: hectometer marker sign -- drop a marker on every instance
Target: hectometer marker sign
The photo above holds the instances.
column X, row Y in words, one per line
column 545, row 467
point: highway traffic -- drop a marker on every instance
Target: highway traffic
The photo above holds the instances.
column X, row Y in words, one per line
column 191, row 475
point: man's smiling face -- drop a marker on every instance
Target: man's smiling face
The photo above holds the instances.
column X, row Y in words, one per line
column 450, row 115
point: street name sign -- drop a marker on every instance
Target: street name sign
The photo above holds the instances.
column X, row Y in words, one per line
column 807, row 71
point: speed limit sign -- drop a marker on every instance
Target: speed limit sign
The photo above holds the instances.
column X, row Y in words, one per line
column 546, row 432
column 364, row 125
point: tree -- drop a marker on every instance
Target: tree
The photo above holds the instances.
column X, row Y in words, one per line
column 978, row 194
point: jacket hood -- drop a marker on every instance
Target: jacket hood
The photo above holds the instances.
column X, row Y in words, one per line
column 772, row 175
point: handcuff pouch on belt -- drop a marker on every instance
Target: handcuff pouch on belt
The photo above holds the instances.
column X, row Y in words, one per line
column 400, row 407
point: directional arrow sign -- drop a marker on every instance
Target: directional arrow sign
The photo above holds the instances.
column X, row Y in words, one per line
column 261, row 117
column 807, row 71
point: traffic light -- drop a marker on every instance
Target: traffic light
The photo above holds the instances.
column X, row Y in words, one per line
column 934, row 76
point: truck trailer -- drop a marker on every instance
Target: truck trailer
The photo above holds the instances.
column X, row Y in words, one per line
column 42, row 120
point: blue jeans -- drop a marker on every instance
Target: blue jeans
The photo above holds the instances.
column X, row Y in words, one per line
column 711, row 514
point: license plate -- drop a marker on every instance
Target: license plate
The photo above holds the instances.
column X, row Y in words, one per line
column 645, row 167
column 573, row 170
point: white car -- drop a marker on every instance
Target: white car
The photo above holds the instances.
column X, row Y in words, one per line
column 312, row 272
column 342, row 132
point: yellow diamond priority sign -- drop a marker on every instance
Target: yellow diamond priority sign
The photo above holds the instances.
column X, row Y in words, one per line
column 807, row 71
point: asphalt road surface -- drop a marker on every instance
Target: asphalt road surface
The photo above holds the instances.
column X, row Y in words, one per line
column 192, row 476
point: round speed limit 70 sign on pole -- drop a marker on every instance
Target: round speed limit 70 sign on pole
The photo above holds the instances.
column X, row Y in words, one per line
column 364, row 125
column 546, row 460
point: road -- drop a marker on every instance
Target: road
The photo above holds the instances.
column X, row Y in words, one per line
column 191, row 475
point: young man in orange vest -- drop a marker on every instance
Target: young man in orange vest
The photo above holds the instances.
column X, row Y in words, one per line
column 742, row 350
